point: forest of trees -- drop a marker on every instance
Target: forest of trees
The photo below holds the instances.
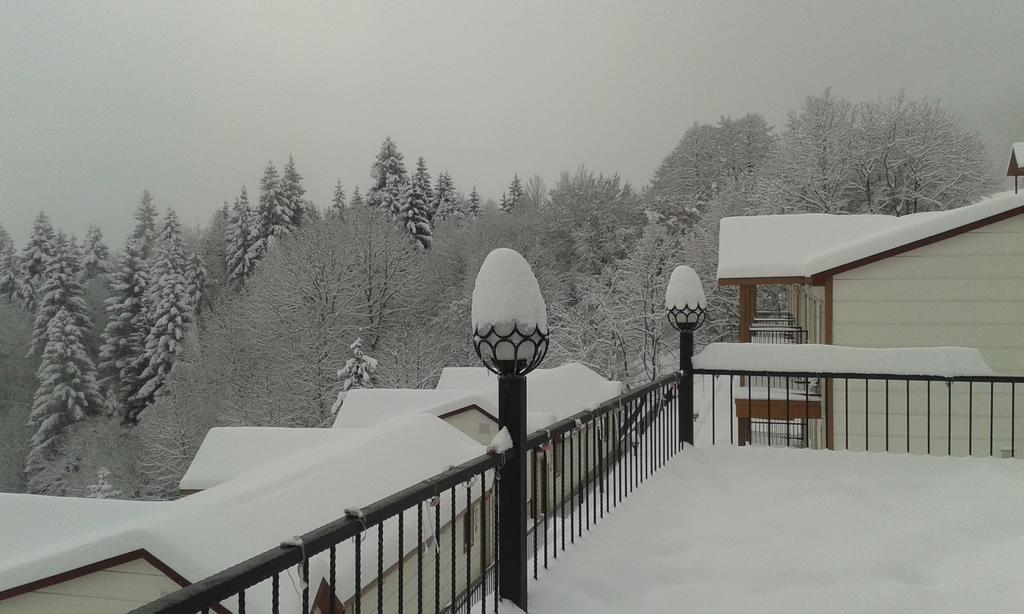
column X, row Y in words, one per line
column 116, row 363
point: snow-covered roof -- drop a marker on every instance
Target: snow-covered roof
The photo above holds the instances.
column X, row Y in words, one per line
column 813, row 358
column 551, row 394
column 803, row 245
column 228, row 452
column 211, row 530
column 1016, row 155
column 366, row 407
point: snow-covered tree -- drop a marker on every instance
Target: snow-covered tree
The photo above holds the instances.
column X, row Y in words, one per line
column 515, row 192
column 338, row 203
column 145, row 224
column 34, row 260
column 446, row 202
column 389, row 180
column 242, row 233
column 170, row 311
column 61, row 291
column 358, row 372
column 195, row 281
column 473, row 208
column 357, row 199
column 67, row 393
column 122, row 353
column 421, row 177
column 96, row 256
column 414, row 214
column 9, row 266
column 102, row 489
column 293, row 194
column 274, row 214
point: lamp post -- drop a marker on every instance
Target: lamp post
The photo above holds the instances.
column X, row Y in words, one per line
column 686, row 309
column 510, row 336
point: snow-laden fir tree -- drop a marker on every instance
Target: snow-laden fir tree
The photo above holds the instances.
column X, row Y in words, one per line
column 170, row 311
column 446, row 202
column 473, row 208
column 274, row 215
column 293, row 194
column 421, row 177
column 61, row 290
column 241, row 234
column 103, row 488
column 357, row 199
column 389, row 180
column 96, row 256
column 145, row 224
column 338, row 203
column 9, row 266
column 67, row 392
column 122, row 353
column 358, row 372
column 195, row 281
column 34, row 260
column 515, row 192
column 414, row 216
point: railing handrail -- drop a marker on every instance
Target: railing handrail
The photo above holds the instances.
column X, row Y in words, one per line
column 997, row 379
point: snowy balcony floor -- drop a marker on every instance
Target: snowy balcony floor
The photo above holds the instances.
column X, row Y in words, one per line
column 771, row 530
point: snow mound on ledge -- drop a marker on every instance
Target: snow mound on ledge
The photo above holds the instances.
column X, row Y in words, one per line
column 506, row 290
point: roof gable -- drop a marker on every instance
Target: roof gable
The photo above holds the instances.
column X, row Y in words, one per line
column 1016, row 166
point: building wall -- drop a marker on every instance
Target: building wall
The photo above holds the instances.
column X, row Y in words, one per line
column 965, row 291
column 475, row 424
column 109, row 591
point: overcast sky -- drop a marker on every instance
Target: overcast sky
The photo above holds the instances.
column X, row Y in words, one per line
column 99, row 100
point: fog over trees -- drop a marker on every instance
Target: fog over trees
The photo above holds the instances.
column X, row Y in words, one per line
column 116, row 362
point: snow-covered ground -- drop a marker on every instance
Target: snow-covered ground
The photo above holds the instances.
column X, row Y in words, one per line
column 772, row 530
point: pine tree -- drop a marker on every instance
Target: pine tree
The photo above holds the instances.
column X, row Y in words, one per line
column 413, row 216
column 515, row 192
column 293, row 194
column 473, row 209
column 97, row 257
column 34, row 260
column 242, row 234
column 169, row 312
column 9, row 266
column 446, row 201
column 122, row 353
column 102, row 489
column 61, row 290
column 338, row 201
column 145, row 224
column 357, row 199
column 422, row 180
column 358, row 372
column 195, row 282
column 390, row 180
column 67, row 393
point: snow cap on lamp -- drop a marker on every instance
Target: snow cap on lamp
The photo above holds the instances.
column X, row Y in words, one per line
column 510, row 319
column 685, row 303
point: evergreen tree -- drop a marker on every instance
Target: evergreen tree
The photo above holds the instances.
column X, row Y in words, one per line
column 473, row 208
column 9, row 266
column 422, row 180
column 122, row 352
column 195, row 281
column 169, row 312
column 293, row 194
column 34, row 260
column 515, row 192
column 97, row 257
column 61, row 290
column 446, row 201
column 413, row 216
column 242, row 234
column 274, row 212
column 389, row 180
column 145, row 224
column 102, row 489
column 67, row 393
column 338, row 200
column 357, row 199
column 358, row 372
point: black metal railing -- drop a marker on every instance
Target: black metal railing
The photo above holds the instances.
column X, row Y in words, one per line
column 579, row 469
column 781, row 334
column 920, row 414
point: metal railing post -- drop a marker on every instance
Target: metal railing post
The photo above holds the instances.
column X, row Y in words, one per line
column 512, row 492
column 686, row 387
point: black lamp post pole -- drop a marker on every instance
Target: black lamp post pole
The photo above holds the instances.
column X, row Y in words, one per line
column 512, row 492
column 686, row 387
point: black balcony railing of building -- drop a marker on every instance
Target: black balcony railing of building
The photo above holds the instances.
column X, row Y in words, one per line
column 444, row 533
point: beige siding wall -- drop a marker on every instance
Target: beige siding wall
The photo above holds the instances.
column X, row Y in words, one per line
column 475, row 424
column 964, row 291
column 110, row 591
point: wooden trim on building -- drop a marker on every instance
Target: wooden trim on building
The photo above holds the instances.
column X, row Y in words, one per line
column 462, row 410
column 823, row 276
column 827, row 333
column 748, row 309
column 763, row 281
